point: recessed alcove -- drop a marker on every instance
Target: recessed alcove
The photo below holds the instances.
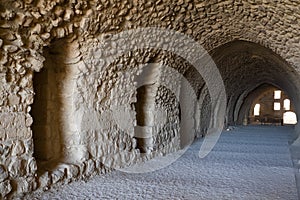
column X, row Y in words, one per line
column 46, row 109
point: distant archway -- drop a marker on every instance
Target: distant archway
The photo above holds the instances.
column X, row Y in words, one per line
column 249, row 68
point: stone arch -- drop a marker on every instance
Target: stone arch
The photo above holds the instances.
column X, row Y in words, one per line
column 244, row 66
column 246, row 107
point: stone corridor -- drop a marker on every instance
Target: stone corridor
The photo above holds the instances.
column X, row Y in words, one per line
column 87, row 87
column 252, row 162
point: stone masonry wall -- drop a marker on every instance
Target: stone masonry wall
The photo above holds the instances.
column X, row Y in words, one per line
column 90, row 141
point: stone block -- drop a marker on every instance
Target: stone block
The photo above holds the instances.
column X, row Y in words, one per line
column 2, row 134
column 24, row 133
column 72, row 171
column 17, row 167
column 44, row 180
column 19, row 121
column 12, row 133
column 27, row 184
column 3, row 173
column 18, row 148
column 6, row 119
column 13, row 99
column 57, row 175
column 31, row 166
column 90, row 167
column 5, row 188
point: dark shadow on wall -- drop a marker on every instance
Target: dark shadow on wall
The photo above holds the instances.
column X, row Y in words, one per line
column 205, row 114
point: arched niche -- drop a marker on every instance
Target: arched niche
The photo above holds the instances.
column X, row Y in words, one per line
column 55, row 131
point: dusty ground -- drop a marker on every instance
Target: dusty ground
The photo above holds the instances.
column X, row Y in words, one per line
column 247, row 163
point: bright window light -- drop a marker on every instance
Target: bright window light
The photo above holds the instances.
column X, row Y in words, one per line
column 276, row 106
column 277, row 94
column 257, row 109
column 287, row 104
column 289, row 118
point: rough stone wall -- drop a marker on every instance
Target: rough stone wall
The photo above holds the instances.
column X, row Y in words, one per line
column 27, row 27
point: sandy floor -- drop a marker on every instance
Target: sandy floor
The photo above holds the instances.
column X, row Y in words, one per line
column 247, row 163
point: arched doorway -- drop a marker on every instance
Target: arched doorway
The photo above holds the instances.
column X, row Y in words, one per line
column 290, row 118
